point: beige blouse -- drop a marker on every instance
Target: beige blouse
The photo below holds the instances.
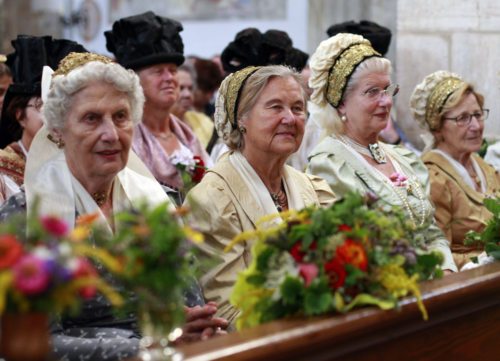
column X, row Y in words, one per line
column 222, row 207
column 459, row 207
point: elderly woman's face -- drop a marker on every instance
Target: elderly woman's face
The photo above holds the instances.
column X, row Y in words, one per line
column 367, row 116
column 275, row 124
column 458, row 140
column 97, row 132
column 160, row 84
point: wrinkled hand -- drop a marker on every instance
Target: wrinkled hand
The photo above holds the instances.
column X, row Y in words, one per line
column 201, row 324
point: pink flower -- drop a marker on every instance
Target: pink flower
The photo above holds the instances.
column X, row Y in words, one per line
column 10, row 250
column 398, row 179
column 30, row 275
column 308, row 271
column 55, row 226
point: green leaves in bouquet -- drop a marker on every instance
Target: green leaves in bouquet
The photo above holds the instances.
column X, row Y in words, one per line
column 490, row 235
column 359, row 251
column 152, row 247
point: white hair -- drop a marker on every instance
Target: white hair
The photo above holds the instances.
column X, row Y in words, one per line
column 64, row 87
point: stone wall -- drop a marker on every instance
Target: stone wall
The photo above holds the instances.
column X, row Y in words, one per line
column 462, row 36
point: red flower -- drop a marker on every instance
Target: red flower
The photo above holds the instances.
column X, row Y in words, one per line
column 353, row 253
column 335, row 272
column 10, row 250
column 308, row 271
column 85, row 269
column 344, row 228
column 55, row 226
column 298, row 254
column 199, row 169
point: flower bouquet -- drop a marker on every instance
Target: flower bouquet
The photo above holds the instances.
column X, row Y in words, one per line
column 191, row 170
column 490, row 236
column 357, row 252
column 156, row 265
column 43, row 273
column 46, row 270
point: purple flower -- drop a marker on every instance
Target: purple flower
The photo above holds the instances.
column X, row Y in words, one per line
column 31, row 276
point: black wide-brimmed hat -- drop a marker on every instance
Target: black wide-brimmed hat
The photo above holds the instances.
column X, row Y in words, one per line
column 31, row 54
column 252, row 48
column 379, row 36
column 145, row 39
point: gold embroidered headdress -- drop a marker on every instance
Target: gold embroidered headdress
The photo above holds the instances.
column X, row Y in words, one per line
column 343, row 67
column 430, row 96
column 333, row 63
column 236, row 81
column 226, row 107
column 75, row 60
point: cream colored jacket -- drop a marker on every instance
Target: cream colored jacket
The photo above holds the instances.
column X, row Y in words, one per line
column 222, row 207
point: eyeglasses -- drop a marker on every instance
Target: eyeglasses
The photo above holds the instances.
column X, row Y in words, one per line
column 464, row 119
column 376, row 93
column 37, row 105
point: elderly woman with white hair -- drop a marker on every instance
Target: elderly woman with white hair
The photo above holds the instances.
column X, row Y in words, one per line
column 453, row 111
column 352, row 97
column 80, row 163
column 260, row 115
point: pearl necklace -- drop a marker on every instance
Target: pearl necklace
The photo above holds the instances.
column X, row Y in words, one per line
column 410, row 186
column 373, row 151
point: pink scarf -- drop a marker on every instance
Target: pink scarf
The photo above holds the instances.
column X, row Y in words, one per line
column 150, row 151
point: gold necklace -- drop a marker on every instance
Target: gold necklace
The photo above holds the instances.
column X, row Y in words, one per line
column 100, row 198
column 164, row 136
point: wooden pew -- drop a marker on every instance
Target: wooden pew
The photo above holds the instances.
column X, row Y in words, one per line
column 464, row 324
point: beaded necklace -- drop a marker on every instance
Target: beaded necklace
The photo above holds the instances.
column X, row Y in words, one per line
column 373, row 151
column 410, row 185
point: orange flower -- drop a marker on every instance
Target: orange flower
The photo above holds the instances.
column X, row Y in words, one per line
column 10, row 250
column 87, row 219
column 353, row 253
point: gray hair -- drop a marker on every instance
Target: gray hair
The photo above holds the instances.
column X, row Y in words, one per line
column 63, row 87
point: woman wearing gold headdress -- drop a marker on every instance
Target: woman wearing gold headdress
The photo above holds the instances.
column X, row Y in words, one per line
column 260, row 115
column 454, row 113
column 80, row 163
column 352, row 93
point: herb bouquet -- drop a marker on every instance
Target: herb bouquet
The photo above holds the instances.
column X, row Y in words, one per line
column 153, row 248
column 317, row 261
column 490, row 236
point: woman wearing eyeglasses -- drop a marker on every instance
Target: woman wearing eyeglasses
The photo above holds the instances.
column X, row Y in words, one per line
column 454, row 113
column 352, row 100
column 21, row 116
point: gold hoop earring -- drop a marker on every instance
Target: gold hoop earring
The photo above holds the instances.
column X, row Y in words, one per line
column 58, row 142
column 242, row 129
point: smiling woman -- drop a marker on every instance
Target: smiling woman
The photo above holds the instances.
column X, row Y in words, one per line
column 353, row 94
column 454, row 112
column 260, row 115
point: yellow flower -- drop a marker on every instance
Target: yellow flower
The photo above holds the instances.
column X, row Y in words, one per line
column 79, row 234
column 193, row 235
column 394, row 278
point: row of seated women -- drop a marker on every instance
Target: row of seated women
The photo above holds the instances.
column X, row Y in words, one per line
column 81, row 162
column 261, row 114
